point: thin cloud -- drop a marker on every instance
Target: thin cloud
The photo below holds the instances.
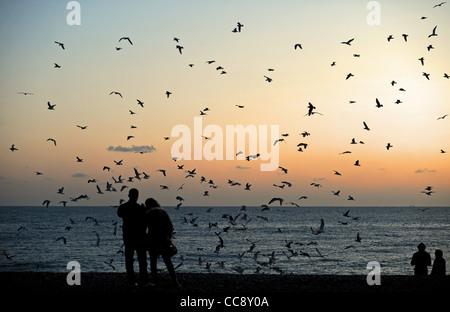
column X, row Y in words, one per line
column 133, row 148
column 424, row 170
column 79, row 175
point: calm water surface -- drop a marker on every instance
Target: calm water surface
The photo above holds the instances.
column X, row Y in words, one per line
column 274, row 241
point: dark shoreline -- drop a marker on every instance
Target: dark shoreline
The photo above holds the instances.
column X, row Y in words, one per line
column 50, row 282
column 110, row 290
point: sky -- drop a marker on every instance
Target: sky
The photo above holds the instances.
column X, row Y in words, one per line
column 235, row 91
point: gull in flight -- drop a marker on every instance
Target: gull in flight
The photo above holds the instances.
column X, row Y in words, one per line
column 60, row 44
column 63, row 239
column 25, row 93
column 53, row 140
column 126, row 38
column 115, row 92
column 433, row 34
column 50, row 107
column 13, row 148
column 442, row 117
column 379, row 105
column 320, row 229
column 349, row 42
column 365, row 126
column 277, row 199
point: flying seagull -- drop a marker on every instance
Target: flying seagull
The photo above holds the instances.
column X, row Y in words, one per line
column 379, row 105
column 277, row 199
column 349, row 42
column 297, row 45
column 438, row 5
column 365, row 126
column 50, row 106
column 60, row 44
column 126, row 38
column 320, row 229
column 118, row 93
column 13, row 148
column 180, row 48
column 25, row 93
column 53, row 140
column 433, row 33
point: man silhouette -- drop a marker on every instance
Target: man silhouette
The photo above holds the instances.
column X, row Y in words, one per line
column 421, row 259
column 133, row 230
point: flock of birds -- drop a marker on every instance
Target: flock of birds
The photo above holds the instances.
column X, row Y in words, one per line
column 120, row 183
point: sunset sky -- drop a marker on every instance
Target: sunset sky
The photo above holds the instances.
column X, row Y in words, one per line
column 92, row 68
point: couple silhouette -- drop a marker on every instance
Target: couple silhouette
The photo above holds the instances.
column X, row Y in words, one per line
column 421, row 260
column 146, row 228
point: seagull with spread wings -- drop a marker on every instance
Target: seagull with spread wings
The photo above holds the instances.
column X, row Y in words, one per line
column 126, row 38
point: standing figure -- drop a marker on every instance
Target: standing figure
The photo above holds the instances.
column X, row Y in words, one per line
column 159, row 239
column 421, row 259
column 133, row 229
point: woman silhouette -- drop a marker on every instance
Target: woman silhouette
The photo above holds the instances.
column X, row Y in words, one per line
column 159, row 238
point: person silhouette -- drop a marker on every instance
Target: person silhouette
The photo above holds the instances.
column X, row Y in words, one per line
column 421, row 259
column 438, row 263
column 159, row 239
column 133, row 230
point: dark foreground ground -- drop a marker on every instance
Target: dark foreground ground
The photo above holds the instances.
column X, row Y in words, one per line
column 277, row 289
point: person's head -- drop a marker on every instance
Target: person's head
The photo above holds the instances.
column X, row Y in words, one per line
column 421, row 247
column 133, row 194
column 151, row 202
column 438, row 253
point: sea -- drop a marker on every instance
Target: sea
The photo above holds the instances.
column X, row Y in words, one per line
column 235, row 240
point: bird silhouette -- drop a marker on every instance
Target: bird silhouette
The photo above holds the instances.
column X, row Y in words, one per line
column 365, row 126
column 320, row 229
column 426, row 75
column 13, row 148
column 53, row 140
column 433, row 34
column 50, row 106
column 115, row 92
column 279, row 199
column 379, row 105
column 388, row 146
column 180, row 48
column 349, row 42
column 438, row 5
column 297, row 45
column 422, row 59
column 63, row 239
column 126, row 38
column 60, row 44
